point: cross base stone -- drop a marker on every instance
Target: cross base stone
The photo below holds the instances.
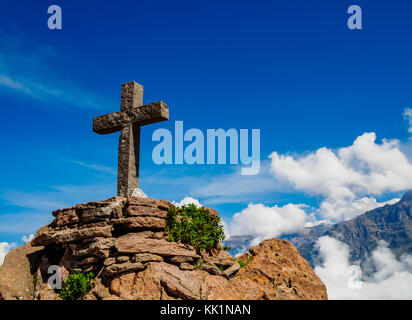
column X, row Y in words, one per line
column 137, row 192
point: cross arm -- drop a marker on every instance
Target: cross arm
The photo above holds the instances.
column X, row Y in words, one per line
column 110, row 123
column 147, row 114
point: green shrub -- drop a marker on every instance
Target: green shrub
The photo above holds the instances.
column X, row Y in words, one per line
column 76, row 285
column 195, row 226
column 243, row 263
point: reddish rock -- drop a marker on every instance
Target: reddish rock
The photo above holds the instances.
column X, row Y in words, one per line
column 122, row 267
column 46, row 236
column 218, row 257
column 132, row 243
column 138, row 201
column 153, row 223
column 66, row 217
column 163, row 204
column 146, row 257
column 17, row 272
column 135, row 211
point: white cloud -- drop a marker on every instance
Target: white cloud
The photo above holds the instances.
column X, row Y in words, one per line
column 392, row 279
column 4, row 249
column 407, row 115
column 346, row 175
column 187, row 200
column 347, row 208
column 264, row 222
column 28, row 238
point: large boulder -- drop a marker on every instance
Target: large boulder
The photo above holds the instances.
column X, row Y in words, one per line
column 18, row 272
column 274, row 271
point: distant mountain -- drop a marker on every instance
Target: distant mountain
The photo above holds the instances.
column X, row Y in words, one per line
column 238, row 244
column 391, row 223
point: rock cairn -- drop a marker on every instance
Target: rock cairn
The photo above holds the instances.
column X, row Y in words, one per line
column 119, row 235
column 125, row 243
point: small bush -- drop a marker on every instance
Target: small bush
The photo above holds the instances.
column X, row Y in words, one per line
column 76, row 285
column 243, row 263
column 195, row 226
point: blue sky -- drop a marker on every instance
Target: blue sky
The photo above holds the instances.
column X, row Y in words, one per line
column 292, row 69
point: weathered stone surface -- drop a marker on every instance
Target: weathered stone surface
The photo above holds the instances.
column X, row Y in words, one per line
column 99, row 247
column 135, row 211
column 106, row 209
column 102, row 254
column 17, row 272
column 48, row 236
column 186, row 266
column 211, row 268
column 218, row 257
column 66, row 217
column 99, row 292
column 141, row 222
column 146, row 257
column 132, row 286
column 115, row 269
column 109, row 261
column 132, row 243
column 163, row 204
column 144, row 115
column 180, row 259
column 157, row 278
column 138, row 201
column 91, row 225
column 231, row 270
column 280, row 267
column 88, row 261
column 122, row 259
column 114, row 201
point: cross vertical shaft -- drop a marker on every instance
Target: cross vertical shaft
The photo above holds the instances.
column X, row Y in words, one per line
column 129, row 141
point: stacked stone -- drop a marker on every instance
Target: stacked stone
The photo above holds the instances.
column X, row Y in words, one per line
column 122, row 235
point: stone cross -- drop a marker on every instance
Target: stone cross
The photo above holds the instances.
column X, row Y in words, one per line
column 132, row 115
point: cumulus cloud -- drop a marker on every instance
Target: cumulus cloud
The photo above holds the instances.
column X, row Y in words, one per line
column 343, row 208
column 4, row 248
column 187, row 200
column 392, row 279
column 344, row 176
column 28, row 238
column 264, row 222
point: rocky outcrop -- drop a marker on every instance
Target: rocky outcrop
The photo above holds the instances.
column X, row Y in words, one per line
column 124, row 241
column 18, row 272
